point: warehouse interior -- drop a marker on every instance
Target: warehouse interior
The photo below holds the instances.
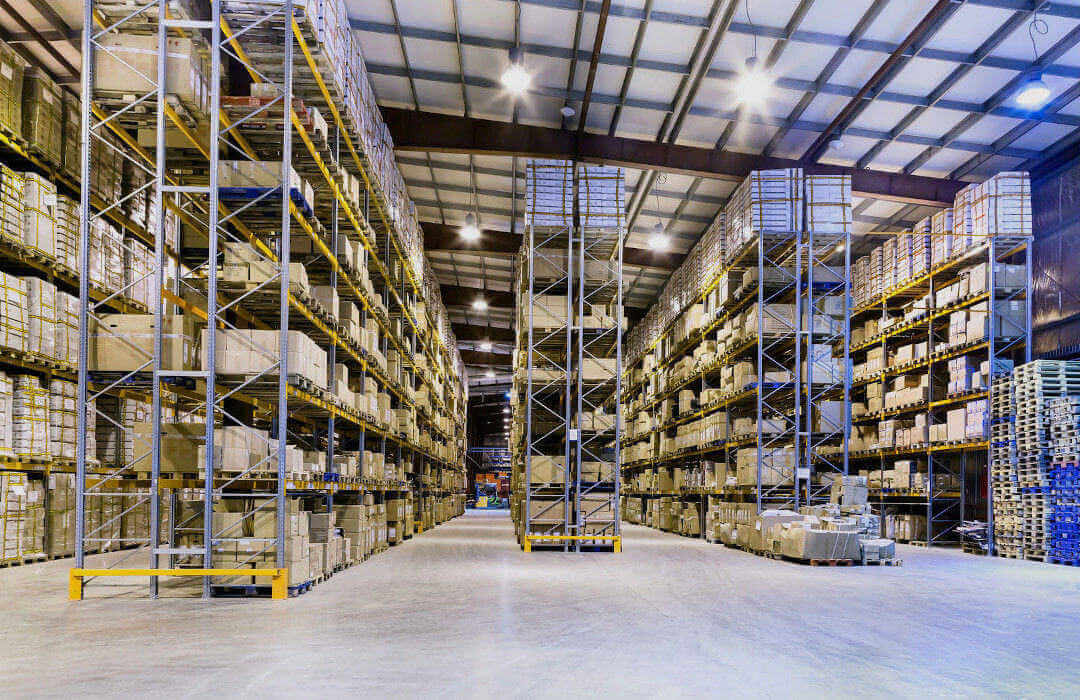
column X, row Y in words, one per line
column 464, row 341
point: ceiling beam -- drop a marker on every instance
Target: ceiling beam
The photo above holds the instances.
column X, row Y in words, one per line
column 590, row 80
column 442, row 237
column 464, row 331
column 465, row 296
column 427, row 131
column 912, row 43
column 485, row 359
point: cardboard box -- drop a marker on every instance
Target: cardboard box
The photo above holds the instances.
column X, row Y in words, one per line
column 125, row 342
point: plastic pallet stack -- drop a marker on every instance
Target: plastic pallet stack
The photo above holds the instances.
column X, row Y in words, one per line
column 1034, row 385
column 1064, row 474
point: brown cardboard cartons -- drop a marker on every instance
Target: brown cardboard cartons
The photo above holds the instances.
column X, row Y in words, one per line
column 125, row 342
column 545, row 470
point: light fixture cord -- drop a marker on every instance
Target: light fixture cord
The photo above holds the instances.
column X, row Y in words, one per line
column 660, row 180
column 1037, row 26
column 749, row 21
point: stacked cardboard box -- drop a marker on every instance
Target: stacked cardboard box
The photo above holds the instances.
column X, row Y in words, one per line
column 41, row 115
column 22, row 517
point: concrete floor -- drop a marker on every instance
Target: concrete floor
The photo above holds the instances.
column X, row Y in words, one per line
column 460, row 611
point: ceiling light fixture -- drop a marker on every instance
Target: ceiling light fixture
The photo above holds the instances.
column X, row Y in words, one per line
column 490, row 374
column 658, row 239
column 470, row 231
column 567, row 111
column 506, row 410
column 485, row 346
column 1033, row 92
column 753, row 85
column 480, row 305
column 515, row 78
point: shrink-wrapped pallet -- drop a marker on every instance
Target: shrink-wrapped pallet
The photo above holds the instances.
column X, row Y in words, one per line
column 42, row 115
column 767, row 201
column 11, row 205
column 62, row 412
column 70, row 141
column 7, row 406
column 41, row 317
column 31, row 419
column 12, row 67
column 67, row 233
column 14, row 313
column 39, row 215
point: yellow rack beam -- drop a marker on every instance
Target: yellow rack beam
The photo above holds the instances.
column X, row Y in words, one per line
column 279, row 578
column 614, row 539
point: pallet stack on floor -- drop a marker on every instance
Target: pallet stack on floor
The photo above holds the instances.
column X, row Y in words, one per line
column 1063, row 545
column 1035, row 466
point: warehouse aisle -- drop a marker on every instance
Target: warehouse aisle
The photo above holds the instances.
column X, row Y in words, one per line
column 460, row 611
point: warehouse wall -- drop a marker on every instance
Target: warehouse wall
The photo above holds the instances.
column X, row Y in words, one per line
column 1056, row 277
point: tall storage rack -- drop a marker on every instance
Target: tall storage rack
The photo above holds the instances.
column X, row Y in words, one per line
column 979, row 248
column 739, row 371
column 565, row 453
column 254, row 177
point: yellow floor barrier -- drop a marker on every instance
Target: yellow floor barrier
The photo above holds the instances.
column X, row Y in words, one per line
column 279, row 578
column 616, row 540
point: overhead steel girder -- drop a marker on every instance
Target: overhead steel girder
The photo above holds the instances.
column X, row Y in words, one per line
column 430, row 132
column 442, row 237
column 465, row 296
column 464, row 331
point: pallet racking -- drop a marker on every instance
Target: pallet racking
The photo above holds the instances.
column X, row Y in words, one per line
column 257, row 178
column 737, row 359
column 565, row 448
column 942, row 311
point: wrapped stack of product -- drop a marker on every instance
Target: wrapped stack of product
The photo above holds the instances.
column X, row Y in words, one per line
column 11, row 205
column 62, row 436
column 70, row 145
column 66, row 338
column 31, row 419
column 39, row 215
column 22, row 517
column 14, row 313
column 67, row 233
column 11, row 89
column 766, row 201
column 7, row 407
column 42, row 115
column 41, row 317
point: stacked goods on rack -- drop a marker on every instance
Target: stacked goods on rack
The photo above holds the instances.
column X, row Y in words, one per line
column 22, row 517
column 42, row 118
column 39, row 228
column 564, row 479
column 706, row 353
column 940, row 313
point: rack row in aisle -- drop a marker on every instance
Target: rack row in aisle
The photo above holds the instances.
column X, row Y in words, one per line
column 296, row 349
column 940, row 313
column 737, row 376
column 569, row 327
